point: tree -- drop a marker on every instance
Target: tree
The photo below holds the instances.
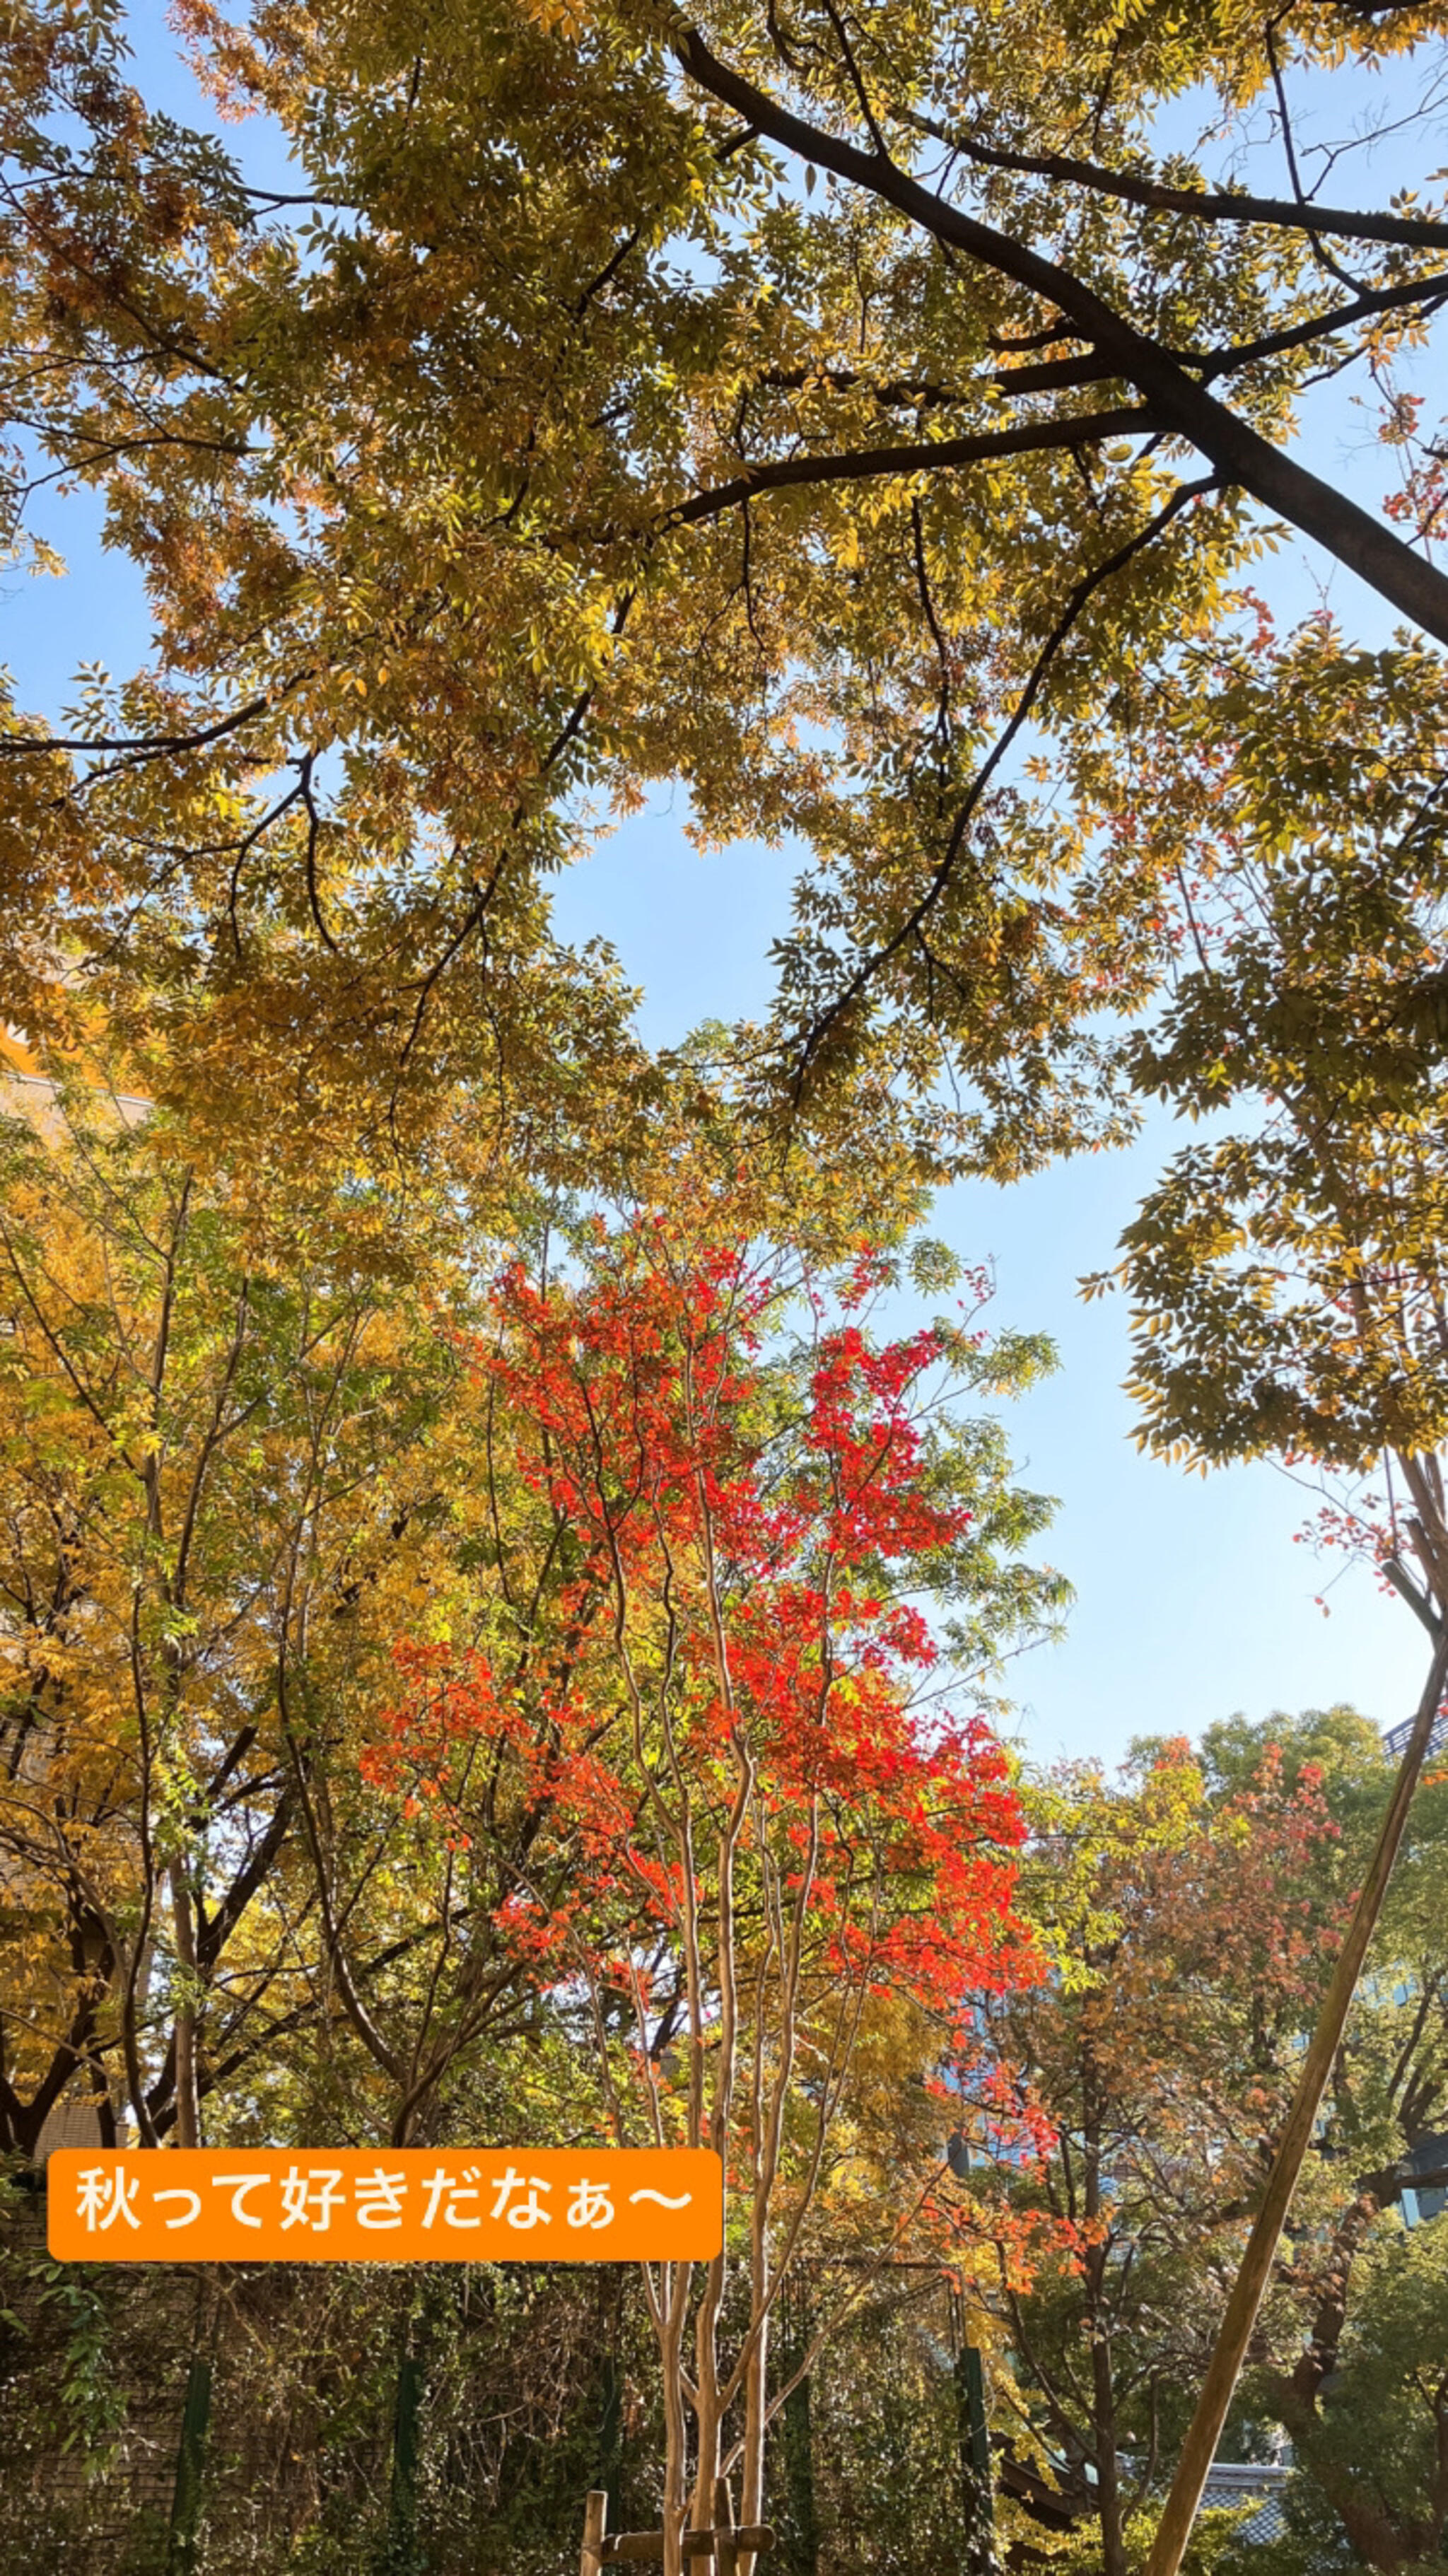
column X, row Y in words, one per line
column 1349, row 2365
column 223, row 1472
column 1286, row 1279
column 243, row 1449
column 1185, row 1928
column 791, row 1877
column 1192, row 1912
column 1377, row 2450
column 553, row 435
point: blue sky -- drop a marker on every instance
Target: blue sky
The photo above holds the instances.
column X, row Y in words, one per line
column 1192, row 1599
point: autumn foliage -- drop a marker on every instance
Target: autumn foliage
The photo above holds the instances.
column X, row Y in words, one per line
column 640, row 1418
column 783, row 1852
column 1190, row 1921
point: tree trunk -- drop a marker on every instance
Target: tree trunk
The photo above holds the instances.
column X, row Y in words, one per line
column 1108, row 2480
column 190, row 2468
column 674, row 2296
column 188, row 2102
column 797, row 2443
column 1103, row 2376
column 400, row 2554
column 756, row 2385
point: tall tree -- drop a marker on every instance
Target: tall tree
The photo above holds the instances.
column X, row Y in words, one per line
column 1287, row 1277
column 1349, row 2363
column 809, row 406
column 792, row 1868
column 222, row 1467
column 1286, row 1272
column 1185, row 1934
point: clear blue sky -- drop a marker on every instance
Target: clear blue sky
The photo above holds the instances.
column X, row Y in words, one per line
column 1193, row 1601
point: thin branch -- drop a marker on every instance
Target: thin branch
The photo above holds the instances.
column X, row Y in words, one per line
column 1208, row 205
column 1081, row 594
column 859, row 464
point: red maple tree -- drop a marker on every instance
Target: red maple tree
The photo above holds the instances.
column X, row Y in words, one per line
column 767, row 1862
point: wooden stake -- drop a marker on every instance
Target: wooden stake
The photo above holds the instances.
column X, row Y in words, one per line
column 725, row 2554
column 1205, row 2429
column 646, row 2548
column 595, row 2529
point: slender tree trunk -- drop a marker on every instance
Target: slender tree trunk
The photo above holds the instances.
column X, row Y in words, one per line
column 1108, row 2479
column 1103, row 2376
column 675, row 2300
column 707, row 2426
column 756, row 2384
column 756, row 2402
column 400, row 2554
column 188, row 2101
column 190, row 2471
column 798, row 2447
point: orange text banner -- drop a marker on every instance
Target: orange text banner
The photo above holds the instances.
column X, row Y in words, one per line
column 397, row 2205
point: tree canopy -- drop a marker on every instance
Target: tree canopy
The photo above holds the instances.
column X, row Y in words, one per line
column 811, row 406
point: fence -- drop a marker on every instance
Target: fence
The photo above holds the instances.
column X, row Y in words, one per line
column 442, row 2423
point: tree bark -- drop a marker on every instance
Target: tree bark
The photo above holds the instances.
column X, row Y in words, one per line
column 188, row 2099
column 1103, row 2377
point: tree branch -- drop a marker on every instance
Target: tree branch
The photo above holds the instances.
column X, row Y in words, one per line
column 1081, row 594
column 1238, row 452
column 856, row 464
column 1209, row 205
